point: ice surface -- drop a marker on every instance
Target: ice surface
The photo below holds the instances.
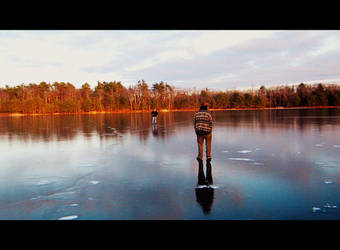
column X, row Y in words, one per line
column 95, row 159
column 70, row 217
column 61, row 195
column 240, row 159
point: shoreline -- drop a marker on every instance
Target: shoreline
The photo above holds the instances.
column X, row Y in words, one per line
column 164, row 111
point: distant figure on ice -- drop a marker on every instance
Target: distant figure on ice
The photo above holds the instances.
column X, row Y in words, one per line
column 203, row 127
column 154, row 114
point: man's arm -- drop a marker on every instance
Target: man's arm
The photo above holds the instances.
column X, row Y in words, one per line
column 210, row 121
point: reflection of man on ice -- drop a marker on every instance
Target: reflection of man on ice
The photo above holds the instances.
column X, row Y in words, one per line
column 154, row 114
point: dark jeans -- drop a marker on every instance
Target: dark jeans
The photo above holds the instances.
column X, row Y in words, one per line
column 200, row 141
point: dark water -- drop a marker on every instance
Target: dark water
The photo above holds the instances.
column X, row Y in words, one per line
column 282, row 164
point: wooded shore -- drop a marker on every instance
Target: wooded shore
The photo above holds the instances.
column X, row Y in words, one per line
column 114, row 97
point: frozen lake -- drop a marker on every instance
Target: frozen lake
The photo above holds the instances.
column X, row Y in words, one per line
column 279, row 164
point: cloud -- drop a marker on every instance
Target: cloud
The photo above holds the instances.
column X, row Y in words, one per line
column 213, row 59
column 211, row 41
column 279, row 58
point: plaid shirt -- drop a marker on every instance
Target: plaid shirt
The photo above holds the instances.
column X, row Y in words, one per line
column 203, row 122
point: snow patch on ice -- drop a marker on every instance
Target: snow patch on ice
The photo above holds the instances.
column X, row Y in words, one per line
column 240, row 159
column 316, row 209
column 43, row 182
column 207, row 186
column 336, row 146
column 328, row 182
column 94, row 182
column 74, row 205
column 86, row 164
column 70, row 217
column 320, row 163
column 330, row 206
column 320, row 144
column 244, row 151
column 257, row 163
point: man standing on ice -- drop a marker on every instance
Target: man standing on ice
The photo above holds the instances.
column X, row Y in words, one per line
column 203, row 127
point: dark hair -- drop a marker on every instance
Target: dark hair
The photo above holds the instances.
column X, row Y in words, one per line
column 204, row 106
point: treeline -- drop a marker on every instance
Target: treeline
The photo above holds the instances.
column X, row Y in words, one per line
column 61, row 97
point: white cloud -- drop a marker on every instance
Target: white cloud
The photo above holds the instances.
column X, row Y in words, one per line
column 329, row 44
column 50, row 58
column 202, row 58
column 160, row 58
column 211, row 41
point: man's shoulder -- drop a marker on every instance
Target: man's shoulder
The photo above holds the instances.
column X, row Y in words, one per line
column 203, row 111
column 198, row 112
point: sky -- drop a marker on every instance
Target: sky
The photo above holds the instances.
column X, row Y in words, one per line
column 214, row 59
